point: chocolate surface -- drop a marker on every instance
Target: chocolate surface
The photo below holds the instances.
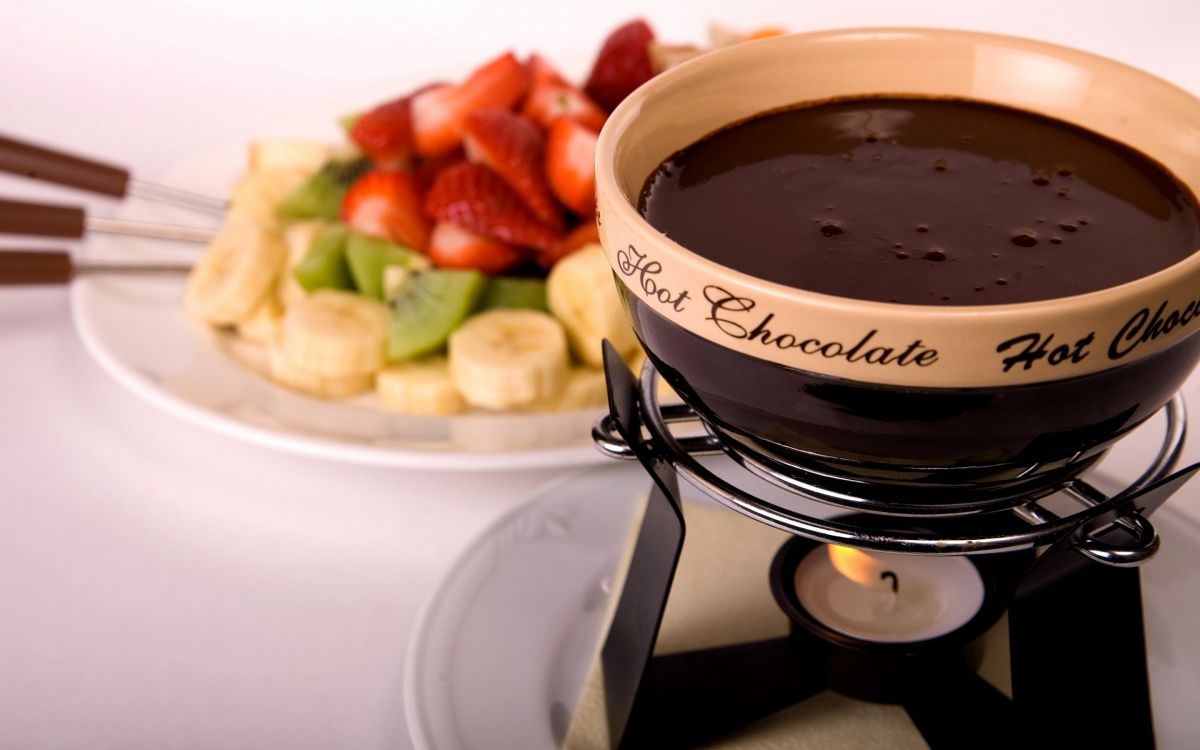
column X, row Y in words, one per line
column 923, row 201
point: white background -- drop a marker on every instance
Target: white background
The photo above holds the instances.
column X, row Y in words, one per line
column 164, row 587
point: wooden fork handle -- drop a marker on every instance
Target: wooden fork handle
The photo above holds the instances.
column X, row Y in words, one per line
column 40, row 163
column 34, row 267
column 17, row 217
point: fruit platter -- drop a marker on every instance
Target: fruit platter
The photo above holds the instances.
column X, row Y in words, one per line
column 444, row 257
column 427, row 286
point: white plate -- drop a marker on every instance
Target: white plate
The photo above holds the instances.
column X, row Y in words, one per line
column 501, row 649
column 136, row 330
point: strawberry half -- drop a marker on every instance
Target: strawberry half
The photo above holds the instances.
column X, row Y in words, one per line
column 384, row 133
column 551, row 97
column 386, row 203
column 622, row 65
column 571, row 166
column 585, row 234
column 478, row 199
column 511, row 146
column 451, row 246
column 439, row 114
column 427, row 170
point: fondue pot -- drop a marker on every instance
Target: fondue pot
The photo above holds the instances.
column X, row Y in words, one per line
column 920, row 401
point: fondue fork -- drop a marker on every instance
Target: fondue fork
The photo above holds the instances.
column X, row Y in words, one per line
column 49, row 220
column 26, row 267
column 41, row 163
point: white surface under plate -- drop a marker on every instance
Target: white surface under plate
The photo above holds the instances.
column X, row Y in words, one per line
column 137, row 331
column 502, row 648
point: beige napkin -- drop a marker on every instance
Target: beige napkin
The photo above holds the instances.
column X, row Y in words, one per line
column 721, row 596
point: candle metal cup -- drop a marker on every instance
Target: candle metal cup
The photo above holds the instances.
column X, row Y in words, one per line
column 888, row 672
column 811, row 391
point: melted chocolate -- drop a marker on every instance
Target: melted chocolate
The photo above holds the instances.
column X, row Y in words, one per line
column 923, row 201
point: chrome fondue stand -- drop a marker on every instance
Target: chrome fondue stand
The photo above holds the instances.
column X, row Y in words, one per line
column 1067, row 580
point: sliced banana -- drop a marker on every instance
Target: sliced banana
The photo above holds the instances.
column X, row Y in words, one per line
column 585, row 387
column 335, row 333
column 419, row 387
column 581, row 293
column 261, row 326
column 259, row 193
column 302, row 155
column 287, row 372
column 239, row 267
column 298, row 237
column 507, row 358
column 635, row 360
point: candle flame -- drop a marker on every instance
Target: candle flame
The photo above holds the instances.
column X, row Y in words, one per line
column 856, row 565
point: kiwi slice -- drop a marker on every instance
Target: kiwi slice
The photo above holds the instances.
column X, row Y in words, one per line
column 324, row 266
column 514, row 291
column 426, row 309
column 320, row 196
column 369, row 256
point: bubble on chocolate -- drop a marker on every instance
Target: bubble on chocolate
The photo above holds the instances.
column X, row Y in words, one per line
column 935, row 254
column 1040, row 177
column 1025, row 239
column 1056, row 240
column 1067, row 226
column 831, row 229
column 922, row 228
column 941, row 165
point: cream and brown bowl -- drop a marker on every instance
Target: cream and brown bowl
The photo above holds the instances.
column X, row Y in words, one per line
column 925, row 398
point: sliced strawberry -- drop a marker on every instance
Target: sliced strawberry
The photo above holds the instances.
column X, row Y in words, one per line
column 541, row 71
column 549, row 101
column 385, row 133
column 571, row 165
column 427, row 170
column 511, row 146
column 439, row 114
column 585, row 234
column 387, row 203
column 478, row 199
column 622, row 65
column 451, row 246
column 551, row 97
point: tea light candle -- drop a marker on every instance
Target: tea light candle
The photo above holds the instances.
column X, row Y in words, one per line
column 888, row 598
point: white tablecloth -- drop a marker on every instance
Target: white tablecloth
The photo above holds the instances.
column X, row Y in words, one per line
column 165, row 587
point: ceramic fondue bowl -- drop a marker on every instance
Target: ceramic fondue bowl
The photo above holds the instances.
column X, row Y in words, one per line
column 1000, row 398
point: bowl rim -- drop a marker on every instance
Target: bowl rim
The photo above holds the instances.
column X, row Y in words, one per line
column 616, row 207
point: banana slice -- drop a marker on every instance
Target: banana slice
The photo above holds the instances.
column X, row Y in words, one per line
column 335, row 333
column 585, row 387
column 581, row 293
column 259, row 193
column 506, row 358
column 287, row 372
column 236, row 271
column 298, row 237
column 261, row 326
column 302, row 155
column 420, row 387
column 666, row 394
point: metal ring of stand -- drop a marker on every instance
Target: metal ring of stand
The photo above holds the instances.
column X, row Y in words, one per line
column 1024, row 525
